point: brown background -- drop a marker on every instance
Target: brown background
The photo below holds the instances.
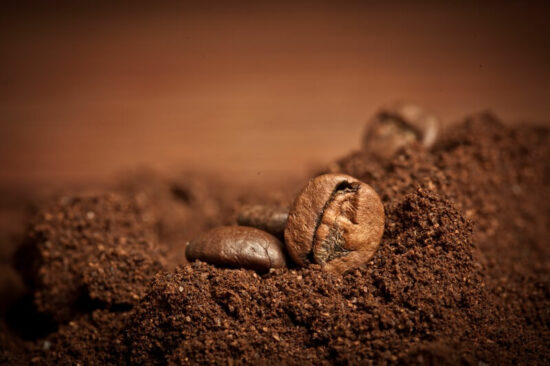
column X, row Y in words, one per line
column 253, row 91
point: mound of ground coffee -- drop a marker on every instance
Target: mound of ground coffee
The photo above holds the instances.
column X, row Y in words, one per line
column 461, row 275
column 88, row 252
column 416, row 286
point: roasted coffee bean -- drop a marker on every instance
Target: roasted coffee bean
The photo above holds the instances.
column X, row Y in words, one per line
column 238, row 247
column 269, row 218
column 336, row 221
column 398, row 125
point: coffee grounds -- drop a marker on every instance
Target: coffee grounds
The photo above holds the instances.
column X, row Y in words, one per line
column 461, row 276
column 90, row 251
column 415, row 287
column 88, row 339
column 498, row 176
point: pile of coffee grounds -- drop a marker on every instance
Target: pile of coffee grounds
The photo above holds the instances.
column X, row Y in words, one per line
column 499, row 178
column 415, row 287
column 461, row 275
column 96, row 250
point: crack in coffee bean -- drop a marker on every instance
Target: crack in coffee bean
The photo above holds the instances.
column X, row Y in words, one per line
column 332, row 245
column 336, row 221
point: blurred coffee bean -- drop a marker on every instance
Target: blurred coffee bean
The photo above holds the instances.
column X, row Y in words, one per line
column 398, row 125
column 238, row 247
column 336, row 221
column 269, row 218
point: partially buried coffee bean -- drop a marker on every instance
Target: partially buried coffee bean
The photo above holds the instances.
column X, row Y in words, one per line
column 397, row 125
column 238, row 247
column 336, row 221
column 270, row 218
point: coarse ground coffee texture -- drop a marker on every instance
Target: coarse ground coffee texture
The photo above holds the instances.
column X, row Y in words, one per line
column 461, row 275
column 94, row 250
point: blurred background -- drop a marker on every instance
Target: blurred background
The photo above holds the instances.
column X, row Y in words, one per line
column 254, row 91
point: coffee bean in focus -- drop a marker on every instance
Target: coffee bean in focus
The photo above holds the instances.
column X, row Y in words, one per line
column 336, row 221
